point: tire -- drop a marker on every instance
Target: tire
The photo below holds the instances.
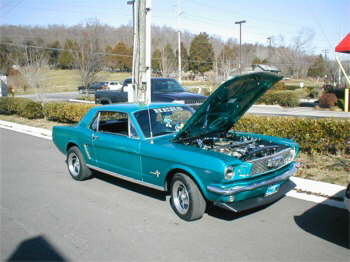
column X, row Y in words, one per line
column 186, row 199
column 76, row 165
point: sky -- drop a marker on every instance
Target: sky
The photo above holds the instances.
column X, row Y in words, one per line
column 328, row 20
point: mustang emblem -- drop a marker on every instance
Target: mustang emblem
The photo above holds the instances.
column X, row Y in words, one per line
column 156, row 173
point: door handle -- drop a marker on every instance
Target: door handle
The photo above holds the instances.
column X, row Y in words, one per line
column 94, row 137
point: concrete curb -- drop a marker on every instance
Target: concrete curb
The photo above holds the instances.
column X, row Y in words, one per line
column 309, row 190
column 81, row 101
column 29, row 130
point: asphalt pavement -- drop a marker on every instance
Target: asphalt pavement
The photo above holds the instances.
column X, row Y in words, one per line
column 63, row 96
column 47, row 215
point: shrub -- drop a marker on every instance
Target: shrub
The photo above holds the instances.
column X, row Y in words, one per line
column 313, row 135
column 65, row 112
column 12, row 105
column 31, row 110
column 328, row 100
column 279, row 86
column 314, row 92
column 283, row 98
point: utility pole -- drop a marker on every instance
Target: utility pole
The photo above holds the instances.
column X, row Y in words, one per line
column 325, row 51
column 270, row 40
column 141, row 69
column 240, row 43
column 179, row 12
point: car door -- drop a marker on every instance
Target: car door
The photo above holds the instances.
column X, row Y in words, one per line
column 116, row 145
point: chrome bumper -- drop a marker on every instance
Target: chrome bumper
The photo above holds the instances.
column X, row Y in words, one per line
column 238, row 189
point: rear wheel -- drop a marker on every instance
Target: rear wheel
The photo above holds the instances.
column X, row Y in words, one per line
column 76, row 165
column 186, row 199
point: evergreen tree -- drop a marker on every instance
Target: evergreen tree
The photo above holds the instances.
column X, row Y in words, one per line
column 54, row 54
column 201, row 54
column 156, row 61
column 65, row 58
column 184, row 58
column 168, row 60
column 317, row 68
column 122, row 58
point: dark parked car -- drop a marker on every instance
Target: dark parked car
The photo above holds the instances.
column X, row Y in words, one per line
column 166, row 90
column 93, row 87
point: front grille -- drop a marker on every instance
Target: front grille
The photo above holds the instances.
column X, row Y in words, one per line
column 273, row 162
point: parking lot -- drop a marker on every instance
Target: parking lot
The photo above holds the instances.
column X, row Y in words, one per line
column 48, row 216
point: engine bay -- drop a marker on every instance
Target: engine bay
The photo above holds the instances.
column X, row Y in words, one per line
column 245, row 148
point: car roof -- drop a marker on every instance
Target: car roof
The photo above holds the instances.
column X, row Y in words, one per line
column 132, row 107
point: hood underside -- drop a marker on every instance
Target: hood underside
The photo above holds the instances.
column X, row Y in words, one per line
column 226, row 105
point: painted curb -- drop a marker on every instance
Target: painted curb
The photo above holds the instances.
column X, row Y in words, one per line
column 309, row 190
column 81, row 101
column 29, row 130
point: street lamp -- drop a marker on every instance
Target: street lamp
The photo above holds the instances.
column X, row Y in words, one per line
column 240, row 43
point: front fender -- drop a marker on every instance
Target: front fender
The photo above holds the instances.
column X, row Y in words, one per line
column 194, row 175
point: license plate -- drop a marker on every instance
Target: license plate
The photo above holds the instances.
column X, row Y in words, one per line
column 272, row 189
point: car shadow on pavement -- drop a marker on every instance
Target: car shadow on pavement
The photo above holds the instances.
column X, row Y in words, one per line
column 160, row 195
column 228, row 215
column 36, row 249
column 326, row 222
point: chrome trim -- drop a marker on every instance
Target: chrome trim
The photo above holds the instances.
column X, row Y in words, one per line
column 271, row 156
column 238, row 189
column 87, row 151
column 133, row 180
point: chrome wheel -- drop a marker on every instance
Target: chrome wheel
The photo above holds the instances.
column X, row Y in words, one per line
column 73, row 164
column 180, row 197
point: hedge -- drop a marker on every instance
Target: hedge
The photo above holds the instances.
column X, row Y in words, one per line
column 21, row 106
column 282, row 98
column 65, row 112
column 313, row 135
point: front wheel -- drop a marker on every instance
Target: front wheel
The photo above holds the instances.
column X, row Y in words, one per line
column 76, row 165
column 186, row 199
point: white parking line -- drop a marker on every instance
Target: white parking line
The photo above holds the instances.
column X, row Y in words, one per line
column 317, row 192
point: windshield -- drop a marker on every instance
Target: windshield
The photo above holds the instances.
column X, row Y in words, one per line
column 164, row 120
column 166, row 85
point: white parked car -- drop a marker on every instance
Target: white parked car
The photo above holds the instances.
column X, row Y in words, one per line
column 114, row 85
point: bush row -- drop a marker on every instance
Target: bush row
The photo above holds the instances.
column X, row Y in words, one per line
column 282, row 98
column 23, row 107
column 313, row 135
column 65, row 112
column 56, row 111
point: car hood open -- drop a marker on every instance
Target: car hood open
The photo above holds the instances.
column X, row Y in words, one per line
column 227, row 105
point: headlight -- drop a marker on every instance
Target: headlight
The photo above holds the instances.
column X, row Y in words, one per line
column 229, row 173
column 241, row 171
column 292, row 154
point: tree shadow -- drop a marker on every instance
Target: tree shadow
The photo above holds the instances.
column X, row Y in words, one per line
column 144, row 190
column 36, row 249
column 326, row 222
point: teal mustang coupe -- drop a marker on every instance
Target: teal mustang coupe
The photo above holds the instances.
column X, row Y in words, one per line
column 197, row 157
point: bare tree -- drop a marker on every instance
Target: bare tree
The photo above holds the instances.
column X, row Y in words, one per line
column 35, row 70
column 88, row 55
column 293, row 57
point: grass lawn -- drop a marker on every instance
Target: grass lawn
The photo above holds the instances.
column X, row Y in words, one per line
column 333, row 169
column 67, row 80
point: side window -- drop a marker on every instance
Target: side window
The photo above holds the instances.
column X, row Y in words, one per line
column 113, row 122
